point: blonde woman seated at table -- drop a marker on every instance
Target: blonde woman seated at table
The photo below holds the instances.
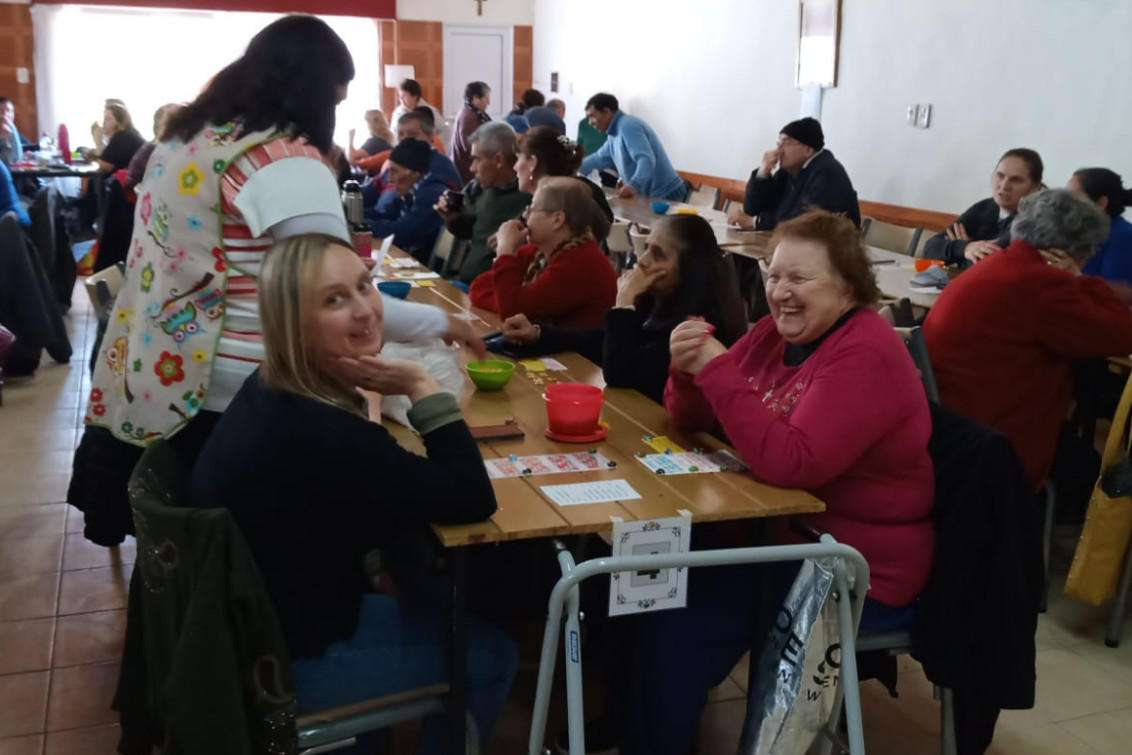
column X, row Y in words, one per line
column 552, row 268
column 822, row 396
column 681, row 274
column 314, row 485
column 380, row 138
column 116, row 141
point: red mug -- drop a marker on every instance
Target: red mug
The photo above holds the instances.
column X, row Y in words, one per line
column 363, row 242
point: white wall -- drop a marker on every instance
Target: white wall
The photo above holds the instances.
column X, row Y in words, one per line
column 495, row 12
column 717, row 84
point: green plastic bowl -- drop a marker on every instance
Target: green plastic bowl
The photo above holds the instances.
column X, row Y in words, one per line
column 490, row 374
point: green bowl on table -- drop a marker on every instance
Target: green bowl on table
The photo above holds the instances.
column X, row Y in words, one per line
column 490, row 374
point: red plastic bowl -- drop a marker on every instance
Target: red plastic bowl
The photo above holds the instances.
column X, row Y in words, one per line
column 573, row 408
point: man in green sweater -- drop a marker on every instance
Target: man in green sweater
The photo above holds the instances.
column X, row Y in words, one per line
column 491, row 198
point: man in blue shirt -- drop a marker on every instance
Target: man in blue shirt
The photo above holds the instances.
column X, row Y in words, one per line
column 633, row 148
column 9, row 199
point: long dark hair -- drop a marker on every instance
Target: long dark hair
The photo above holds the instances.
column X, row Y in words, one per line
column 557, row 155
column 286, row 80
column 1102, row 182
column 707, row 286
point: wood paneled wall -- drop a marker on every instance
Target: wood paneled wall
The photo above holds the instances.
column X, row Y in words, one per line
column 16, row 51
column 421, row 45
column 524, row 64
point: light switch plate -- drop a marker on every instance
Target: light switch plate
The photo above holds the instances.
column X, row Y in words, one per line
column 23, row 76
column 913, row 114
column 924, row 116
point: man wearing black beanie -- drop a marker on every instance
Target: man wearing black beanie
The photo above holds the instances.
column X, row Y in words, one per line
column 799, row 173
column 410, row 220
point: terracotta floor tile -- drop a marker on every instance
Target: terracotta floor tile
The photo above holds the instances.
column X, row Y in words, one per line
column 89, row 638
column 37, row 418
column 32, row 745
column 96, row 740
column 25, row 521
column 31, row 596
column 75, row 522
column 81, row 696
column 16, row 462
column 47, row 488
column 80, row 553
column 89, row 590
column 28, row 396
column 23, row 703
column 1042, row 740
column 1108, row 733
column 1070, row 687
column 33, row 554
column 721, row 726
column 28, row 437
column 26, row 645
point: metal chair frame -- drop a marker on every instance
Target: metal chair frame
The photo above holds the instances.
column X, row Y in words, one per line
column 565, row 598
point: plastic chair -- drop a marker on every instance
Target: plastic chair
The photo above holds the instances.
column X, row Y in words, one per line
column 894, row 238
column 704, row 196
column 565, row 598
column 918, row 348
column 618, row 244
column 638, row 238
column 447, row 254
column 157, row 499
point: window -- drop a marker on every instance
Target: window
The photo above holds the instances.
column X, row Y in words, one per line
column 148, row 57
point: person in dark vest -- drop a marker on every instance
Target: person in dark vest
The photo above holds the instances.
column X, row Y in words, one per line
column 984, row 228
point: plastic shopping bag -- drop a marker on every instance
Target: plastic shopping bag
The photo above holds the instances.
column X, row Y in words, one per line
column 791, row 696
column 441, row 361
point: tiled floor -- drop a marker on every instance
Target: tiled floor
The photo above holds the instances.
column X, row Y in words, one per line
column 61, row 621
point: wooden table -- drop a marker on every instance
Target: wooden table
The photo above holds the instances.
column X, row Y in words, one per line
column 894, row 272
column 525, row 513
column 75, row 170
column 638, row 210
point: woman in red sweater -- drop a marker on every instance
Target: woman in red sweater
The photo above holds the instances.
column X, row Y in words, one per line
column 1004, row 334
column 824, row 396
column 552, row 268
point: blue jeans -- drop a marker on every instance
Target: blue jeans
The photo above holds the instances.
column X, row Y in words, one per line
column 395, row 649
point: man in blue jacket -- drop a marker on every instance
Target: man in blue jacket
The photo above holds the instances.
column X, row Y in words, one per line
column 10, row 199
column 408, row 217
column 634, row 150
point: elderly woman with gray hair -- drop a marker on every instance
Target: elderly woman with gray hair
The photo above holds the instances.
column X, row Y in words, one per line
column 1004, row 334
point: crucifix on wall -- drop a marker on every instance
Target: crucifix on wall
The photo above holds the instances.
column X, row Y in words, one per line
column 479, row 7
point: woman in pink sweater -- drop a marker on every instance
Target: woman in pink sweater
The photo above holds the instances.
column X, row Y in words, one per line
column 823, row 396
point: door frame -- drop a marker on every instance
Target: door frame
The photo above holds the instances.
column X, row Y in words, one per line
column 508, row 83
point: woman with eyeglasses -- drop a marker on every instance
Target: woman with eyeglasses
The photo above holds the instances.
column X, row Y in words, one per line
column 550, row 267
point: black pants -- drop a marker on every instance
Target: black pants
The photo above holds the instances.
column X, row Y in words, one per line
column 101, row 473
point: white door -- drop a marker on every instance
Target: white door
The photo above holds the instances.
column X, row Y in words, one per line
column 479, row 53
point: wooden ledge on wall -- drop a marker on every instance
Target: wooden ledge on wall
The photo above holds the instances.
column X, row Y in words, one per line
column 909, row 217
